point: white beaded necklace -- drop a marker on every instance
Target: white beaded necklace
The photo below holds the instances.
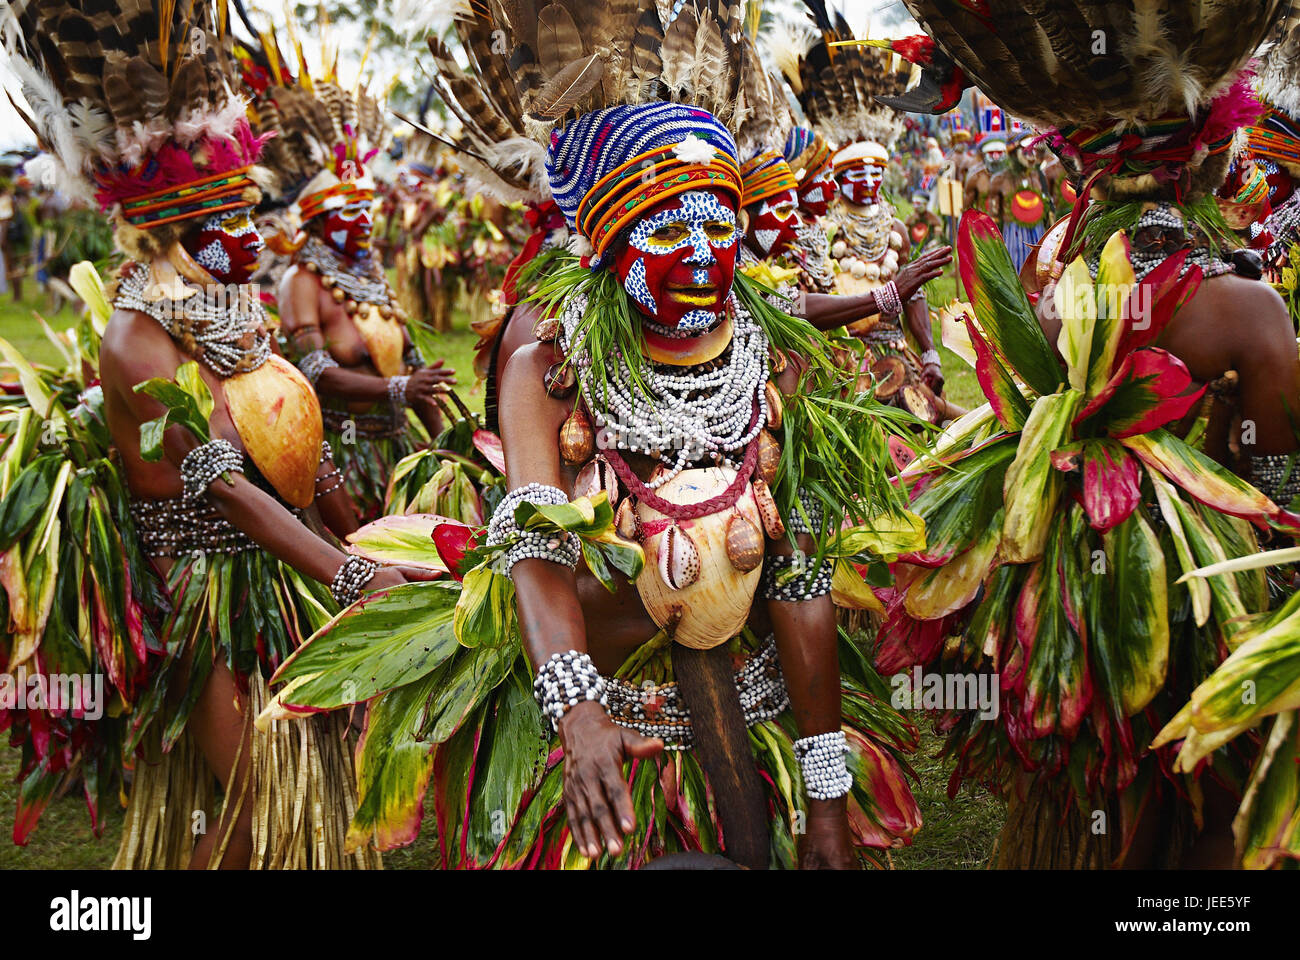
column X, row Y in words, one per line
column 363, row 284
column 227, row 340
column 693, row 412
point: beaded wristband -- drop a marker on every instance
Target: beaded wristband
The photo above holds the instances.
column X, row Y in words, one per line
column 561, row 548
column 564, row 681
column 326, row 451
column 930, row 357
column 821, row 760
column 807, row 585
column 204, row 464
column 397, row 392
column 889, row 303
column 353, row 574
column 316, row 363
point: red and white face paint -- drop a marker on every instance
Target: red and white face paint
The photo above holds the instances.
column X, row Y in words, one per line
column 860, row 183
column 774, row 223
column 679, row 261
column 227, row 245
column 816, row 192
column 347, row 229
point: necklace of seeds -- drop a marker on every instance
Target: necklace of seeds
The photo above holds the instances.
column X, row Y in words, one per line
column 207, row 325
column 813, row 253
column 368, row 287
column 692, row 413
column 867, row 236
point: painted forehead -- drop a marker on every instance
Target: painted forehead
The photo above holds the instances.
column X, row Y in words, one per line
column 780, row 203
column 235, row 223
column 696, row 208
column 863, row 171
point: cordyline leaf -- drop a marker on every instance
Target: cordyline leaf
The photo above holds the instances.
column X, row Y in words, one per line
column 1199, row 590
column 189, row 404
column 1256, row 561
column 889, row 812
column 1075, row 301
column 1160, row 295
column 1267, row 663
column 1032, row 487
column 1204, row 479
column 586, row 516
column 850, row 591
column 485, row 613
column 1110, row 477
column 998, row 385
column 405, row 539
column 1004, row 313
column 462, row 686
column 1267, row 825
column 884, row 535
column 961, row 502
column 393, row 769
column 951, row 587
column 1150, row 389
column 489, row 444
column 452, row 540
column 1115, row 285
column 387, row 639
column 38, row 396
column 1130, row 615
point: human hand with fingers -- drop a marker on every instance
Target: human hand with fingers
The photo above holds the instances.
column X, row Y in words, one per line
column 916, row 274
column 427, row 381
column 597, row 800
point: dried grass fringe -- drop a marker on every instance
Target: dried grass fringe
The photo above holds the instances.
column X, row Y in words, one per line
column 301, row 783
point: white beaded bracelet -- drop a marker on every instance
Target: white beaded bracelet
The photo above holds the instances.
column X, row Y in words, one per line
column 566, row 680
column 930, row 356
column 821, row 760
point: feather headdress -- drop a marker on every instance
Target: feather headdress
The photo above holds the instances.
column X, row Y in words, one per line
column 837, row 86
column 324, row 134
column 133, row 99
column 1276, row 136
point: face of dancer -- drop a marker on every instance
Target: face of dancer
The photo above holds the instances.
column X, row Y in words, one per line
column 815, row 193
column 679, row 261
column 774, row 223
column 860, row 183
column 227, row 245
column 995, row 159
column 347, row 229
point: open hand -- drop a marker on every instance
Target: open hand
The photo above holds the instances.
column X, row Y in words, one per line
column 916, row 274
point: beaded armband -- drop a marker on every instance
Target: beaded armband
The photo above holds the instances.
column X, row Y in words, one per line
column 812, row 507
column 564, row 681
column 561, row 548
column 803, row 585
column 1277, row 476
column 327, row 453
column 204, row 464
column 316, row 363
column 821, row 760
column 397, row 392
column 931, row 357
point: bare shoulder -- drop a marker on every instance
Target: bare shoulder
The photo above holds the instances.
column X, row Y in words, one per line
column 523, row 382
column 134, row 341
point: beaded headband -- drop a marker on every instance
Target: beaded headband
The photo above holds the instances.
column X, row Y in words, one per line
column 765, row 175
column 626, row 192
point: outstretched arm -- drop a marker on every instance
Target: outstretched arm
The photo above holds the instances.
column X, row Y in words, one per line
column 597, row 801
column 827, row 311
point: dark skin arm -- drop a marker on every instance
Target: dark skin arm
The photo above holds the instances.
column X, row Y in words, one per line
column 336, row 508
column 827, row 311
column 300, row 316
column 917, row 313
column 136, row 348
column 597, row 801
column 1234, row 324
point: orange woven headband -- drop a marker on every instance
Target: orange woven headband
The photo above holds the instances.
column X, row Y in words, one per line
column 622, row 195
column 315, row 204
column 815, row 157
column 765, row 176
column 198, row 198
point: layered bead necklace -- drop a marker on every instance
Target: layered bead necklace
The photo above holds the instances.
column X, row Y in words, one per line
column 368, row 287
column 813, row 255
column 228, row 337
column 692, row 413
column 867, row 236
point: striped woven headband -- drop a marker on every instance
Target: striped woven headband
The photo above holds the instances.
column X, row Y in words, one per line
column 198, row 198
column 811, row 157
column 314, row 205
column 623, row 194
column 1275, row 137
column 765, row 176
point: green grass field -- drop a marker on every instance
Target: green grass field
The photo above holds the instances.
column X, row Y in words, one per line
column 958, row 833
